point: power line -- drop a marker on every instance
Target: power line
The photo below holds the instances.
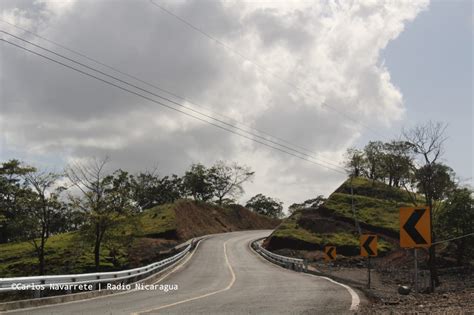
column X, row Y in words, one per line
column 167, row 91
column 453, row 239
column 263, row 69
column 164, row 98
column 168, row 106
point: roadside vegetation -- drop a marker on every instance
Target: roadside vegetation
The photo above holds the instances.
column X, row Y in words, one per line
column 384, row 176
column 91, row 218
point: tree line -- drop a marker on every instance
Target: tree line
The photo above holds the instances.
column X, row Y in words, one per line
column 413, row 163
column 103, row 205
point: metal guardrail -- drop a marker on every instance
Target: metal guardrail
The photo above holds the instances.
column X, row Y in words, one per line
column 284, row 261
column 9, row 284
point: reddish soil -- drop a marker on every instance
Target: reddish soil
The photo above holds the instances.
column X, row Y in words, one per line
column 196, row 219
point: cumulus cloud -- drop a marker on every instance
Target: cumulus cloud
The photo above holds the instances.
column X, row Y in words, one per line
column 312, row 54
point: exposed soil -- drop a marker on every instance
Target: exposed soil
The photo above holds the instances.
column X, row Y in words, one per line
column 195, row 219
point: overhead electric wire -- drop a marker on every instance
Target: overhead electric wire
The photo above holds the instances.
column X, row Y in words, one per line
column 164, row 98
column 168, row 92
column 168, row 106
column 212, row 38
column 453, row 239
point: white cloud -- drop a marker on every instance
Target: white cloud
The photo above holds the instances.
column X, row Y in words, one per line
column 329, row 50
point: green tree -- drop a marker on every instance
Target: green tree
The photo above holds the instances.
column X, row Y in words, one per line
column 310, row 203
column 196, row 183
column 267, row 206
column 226, row 180
column 374, row 156
column 456, row 219
column 13, row 190
column 150, row 190
column 397, row 162
column 355, row 162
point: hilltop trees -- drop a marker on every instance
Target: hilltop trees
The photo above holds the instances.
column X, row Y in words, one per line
column 149, row 190
column 310, row 203
column 414, row 164
column 264, row 205
column 226, row 180
column 390, row 162
column 196, row 183
column 221, row 181
column 355, row 162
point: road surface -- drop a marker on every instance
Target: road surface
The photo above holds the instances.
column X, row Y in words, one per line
column 223, row 276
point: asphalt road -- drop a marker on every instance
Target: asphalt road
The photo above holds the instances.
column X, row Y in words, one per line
column 223, row 276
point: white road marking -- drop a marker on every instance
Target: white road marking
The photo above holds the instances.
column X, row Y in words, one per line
column 355, row 299
column 200, row 296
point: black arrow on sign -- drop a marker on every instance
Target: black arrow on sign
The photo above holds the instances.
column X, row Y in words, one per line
column 366, row 245
column 330, row 253
column 410, row 228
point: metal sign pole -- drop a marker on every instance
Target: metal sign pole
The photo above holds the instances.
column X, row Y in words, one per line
column 368, row 269
column 416, row 270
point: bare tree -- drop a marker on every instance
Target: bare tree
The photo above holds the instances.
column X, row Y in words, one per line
column 427, row 142
column 227, row 180
column 106, row 199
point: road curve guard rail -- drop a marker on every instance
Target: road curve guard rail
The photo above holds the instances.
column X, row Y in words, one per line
column 130, row 275
column 296, row 264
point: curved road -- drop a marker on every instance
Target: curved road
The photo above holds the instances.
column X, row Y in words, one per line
column 223, row 276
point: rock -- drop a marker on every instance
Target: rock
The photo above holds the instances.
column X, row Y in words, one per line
column 404, row 290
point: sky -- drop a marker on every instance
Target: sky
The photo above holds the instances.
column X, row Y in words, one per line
column 322, row 75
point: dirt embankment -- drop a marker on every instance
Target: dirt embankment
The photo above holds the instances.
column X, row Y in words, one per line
column 324, row 221
column 187, row 219
column 198, row 218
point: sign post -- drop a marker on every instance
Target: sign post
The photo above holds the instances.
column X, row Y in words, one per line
column 415, row 231
column 368, row 248
column 416, row 270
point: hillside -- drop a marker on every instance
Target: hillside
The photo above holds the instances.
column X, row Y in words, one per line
column 156, row 232
column 377, row 210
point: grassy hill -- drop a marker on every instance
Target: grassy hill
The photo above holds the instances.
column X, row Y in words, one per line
column 377, row 210
column 156, row 231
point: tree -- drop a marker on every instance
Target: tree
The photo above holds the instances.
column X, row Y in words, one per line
column 42, row 208
column 397, row 162
column 310, row 203
column 226, row 180
column 457, row 219
column 150, row 190
column 196, row 182
column 427, row 142
column 374, row 154
column 265, row 206
column 106, row 200
column 12, row 189
column 355, row 162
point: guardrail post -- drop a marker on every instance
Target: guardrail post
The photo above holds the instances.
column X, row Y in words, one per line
column 39, row 293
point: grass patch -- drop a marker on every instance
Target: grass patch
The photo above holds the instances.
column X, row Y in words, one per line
column 373, row 211
column 158, row 220
column 290, row 229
